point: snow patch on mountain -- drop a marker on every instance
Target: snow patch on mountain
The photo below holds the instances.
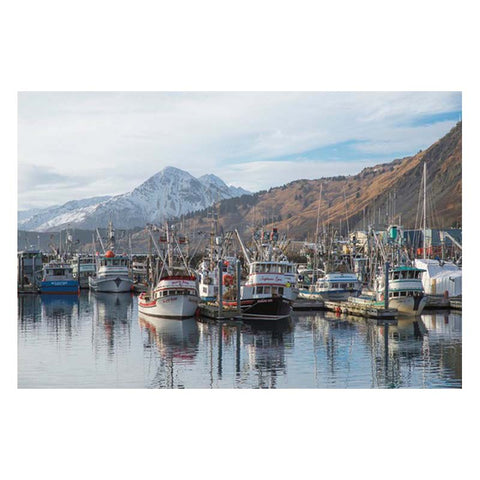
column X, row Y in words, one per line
column 169, row 193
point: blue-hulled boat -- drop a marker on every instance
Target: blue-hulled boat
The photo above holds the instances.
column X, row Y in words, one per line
column 58, row 279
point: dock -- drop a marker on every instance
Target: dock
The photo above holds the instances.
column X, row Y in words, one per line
column 435, row 302
column 27, row 289
column 211, row 310
column 456, row 303
column 308, row 305
column 350, row 307
column 360, row 309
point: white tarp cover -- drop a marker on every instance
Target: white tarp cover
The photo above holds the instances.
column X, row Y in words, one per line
column 438, row 278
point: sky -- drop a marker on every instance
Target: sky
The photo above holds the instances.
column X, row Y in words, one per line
column 74, row 145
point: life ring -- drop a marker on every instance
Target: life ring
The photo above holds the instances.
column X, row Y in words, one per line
column 227, row 280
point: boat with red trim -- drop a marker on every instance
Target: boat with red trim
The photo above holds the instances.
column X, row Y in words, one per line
column 175, row 293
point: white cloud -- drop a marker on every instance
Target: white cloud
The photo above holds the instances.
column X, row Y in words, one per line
column 114, row 141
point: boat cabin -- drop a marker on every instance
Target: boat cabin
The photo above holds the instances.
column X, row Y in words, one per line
column 406, row 273
column 52, row 271
column 272, row 267
column 115, row 262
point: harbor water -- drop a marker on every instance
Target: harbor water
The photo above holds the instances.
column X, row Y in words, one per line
column 98, row 340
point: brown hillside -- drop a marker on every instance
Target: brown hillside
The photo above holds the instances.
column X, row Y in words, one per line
column 386, row 193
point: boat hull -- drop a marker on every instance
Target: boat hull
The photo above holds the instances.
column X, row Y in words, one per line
column 110, row 285
column 173, row 306
column 333, row 295
column 275, row 306
column 59, row 287
column 412, row 305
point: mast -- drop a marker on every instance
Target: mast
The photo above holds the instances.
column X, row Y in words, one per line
column 316, row 250
column 424, row 209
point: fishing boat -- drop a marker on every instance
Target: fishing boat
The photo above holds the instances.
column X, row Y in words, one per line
column 112, row 271
column 84, row 267
column 58, row 279
column 334, row 286
column 29, row 267
column 405, row 289
column 175, row 293
column 140, row 276
column 269, row 289
column 111, row 275
column 217, row 251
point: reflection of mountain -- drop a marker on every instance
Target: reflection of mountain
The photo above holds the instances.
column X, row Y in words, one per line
column 266, row 343
column 177, row 339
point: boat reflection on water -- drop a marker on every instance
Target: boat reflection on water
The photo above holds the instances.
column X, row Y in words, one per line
column 56, row 307
column 175, row 345
column 445, row 342
column 29, row 308
column 112, row 315
column 266, row 344
column 112, row 308
column 406, row 335
column 443, row 324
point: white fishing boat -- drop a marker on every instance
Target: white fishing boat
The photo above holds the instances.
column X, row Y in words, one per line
column 111, row 275
column 139, row 276
column 208, row 277
column 175, row 295
column 333, row 286
column 405, row 290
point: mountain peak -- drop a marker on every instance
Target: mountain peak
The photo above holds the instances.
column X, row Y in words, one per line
column 171, row 192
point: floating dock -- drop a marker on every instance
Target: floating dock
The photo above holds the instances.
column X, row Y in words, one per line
column 436, row 302
column 211, row 310
column 26, row 289
column 361, row 309
column 357, row 308
column 308, row 305
column 456, row 303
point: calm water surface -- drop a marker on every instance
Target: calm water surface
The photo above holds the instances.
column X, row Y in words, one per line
column 100, row 341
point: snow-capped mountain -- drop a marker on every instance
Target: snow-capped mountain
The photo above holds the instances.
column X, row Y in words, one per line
column 169, row 193
column 71, row 212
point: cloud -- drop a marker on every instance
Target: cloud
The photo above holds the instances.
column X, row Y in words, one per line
column 114, row 141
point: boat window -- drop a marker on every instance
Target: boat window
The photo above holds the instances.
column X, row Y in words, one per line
column 260, row 290
column 266, row 290
column 396, row 275
column 334, row 285
column 58, row 271
column 280, row 290
column 274, row 290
